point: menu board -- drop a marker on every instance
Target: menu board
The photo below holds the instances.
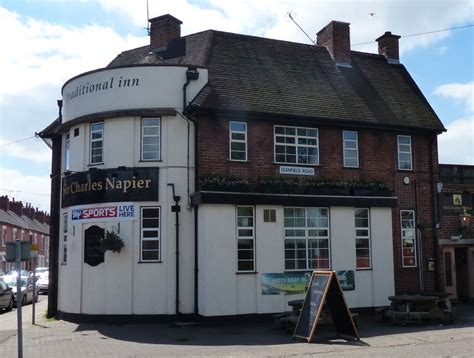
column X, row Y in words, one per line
column 324, row 291
column 312, row 305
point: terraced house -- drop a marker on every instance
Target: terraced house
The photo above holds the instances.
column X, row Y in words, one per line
column 249, row 162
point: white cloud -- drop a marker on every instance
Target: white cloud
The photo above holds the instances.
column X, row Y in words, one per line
column 37, row 58
column 27, row 188
column 461, row 92
column 31, row 149
column 268, row 17
column 40, row 53
column 456, row 146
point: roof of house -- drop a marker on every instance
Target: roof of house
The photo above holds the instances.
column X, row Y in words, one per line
column 24, row 222
column 263, row 76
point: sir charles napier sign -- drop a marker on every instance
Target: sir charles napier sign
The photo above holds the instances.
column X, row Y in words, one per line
column 110, row 185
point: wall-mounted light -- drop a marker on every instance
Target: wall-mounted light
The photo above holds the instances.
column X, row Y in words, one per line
column 464, row 219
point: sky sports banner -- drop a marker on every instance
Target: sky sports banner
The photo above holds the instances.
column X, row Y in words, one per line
column 110, row 186
column 122, row 211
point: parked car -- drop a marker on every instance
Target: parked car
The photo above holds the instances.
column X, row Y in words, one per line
column 43, row 282
column 40, row 270
column 15, row 273
column 26, row 288
column 7, row 299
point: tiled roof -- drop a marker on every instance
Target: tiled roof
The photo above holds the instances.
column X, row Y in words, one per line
column 9, row 217
column 263, row 76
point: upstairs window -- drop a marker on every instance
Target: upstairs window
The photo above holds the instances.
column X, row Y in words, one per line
column 238, row 141
column 97, row 143
column 245, row 239
column 151, row 131
column 295, row 145
column 351, row 149
column 67, row 152
column 404, row 152
column 408, row 238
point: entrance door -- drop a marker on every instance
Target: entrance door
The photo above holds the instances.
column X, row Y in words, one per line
column 462, row 276
column 450, row 272
column 470, row 271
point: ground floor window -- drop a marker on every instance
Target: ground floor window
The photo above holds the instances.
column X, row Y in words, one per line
column 65, row 238
column 362, row 237
column 245, row 238
column 150, row 234
column 306, row 238
column 408, row 238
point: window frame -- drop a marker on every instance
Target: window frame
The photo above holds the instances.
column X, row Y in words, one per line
column 67, row 152
column 252, row 237
column 142, row 230
column 4, row 235
column 307, row 239
column 296, row 145
column 399, row 152
column 245, row 141
column 363, row 237
column 402, row 239
column 65, row 238
column 96, row 140
column 356, row 141
column 142, row 136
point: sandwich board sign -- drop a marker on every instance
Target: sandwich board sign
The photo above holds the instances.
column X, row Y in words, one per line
column 324, row 290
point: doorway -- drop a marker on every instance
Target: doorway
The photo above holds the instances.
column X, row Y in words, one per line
column 459, row 272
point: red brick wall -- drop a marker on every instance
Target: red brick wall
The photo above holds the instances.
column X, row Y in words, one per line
column 378, row 161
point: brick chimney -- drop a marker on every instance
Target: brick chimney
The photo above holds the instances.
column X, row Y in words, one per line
column 4, row 202
column 163, row 29
column 335, row 36
column 388, row 46
column 39, row 216
column 16, row 207
column 29, row 212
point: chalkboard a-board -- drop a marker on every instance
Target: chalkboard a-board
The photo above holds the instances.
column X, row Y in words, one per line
column 324, row 288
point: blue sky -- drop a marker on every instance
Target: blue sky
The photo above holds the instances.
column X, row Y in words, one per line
column 46, row 42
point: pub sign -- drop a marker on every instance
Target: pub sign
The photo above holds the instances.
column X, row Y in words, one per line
column 110, row 185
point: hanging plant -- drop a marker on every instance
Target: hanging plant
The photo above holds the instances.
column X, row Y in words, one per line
column 112, row 242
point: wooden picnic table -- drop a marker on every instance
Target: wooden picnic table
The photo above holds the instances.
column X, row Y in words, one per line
column 408, row 308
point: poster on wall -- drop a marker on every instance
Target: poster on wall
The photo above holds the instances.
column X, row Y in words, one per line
column 286, row 283
column 110, row 185
column 346, row 279
column 292, row 283
column 113, row 212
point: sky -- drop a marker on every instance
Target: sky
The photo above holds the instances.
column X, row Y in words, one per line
column 43, row 43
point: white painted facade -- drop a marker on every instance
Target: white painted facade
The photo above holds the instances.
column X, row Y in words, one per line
column 122, row 284
column 223, row 291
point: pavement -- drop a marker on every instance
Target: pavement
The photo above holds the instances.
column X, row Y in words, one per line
column 56, row 338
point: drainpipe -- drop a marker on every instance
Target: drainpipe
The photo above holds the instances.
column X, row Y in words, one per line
column 435, row 217
column 176, row 209
column 191, row 75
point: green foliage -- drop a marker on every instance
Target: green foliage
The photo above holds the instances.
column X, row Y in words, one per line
column 223, row 182
column 112, row 242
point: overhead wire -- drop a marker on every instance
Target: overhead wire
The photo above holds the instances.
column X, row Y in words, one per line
column 17, row 141
column 421, row 33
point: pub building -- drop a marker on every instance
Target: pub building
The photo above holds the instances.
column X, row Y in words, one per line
column 209, row 174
